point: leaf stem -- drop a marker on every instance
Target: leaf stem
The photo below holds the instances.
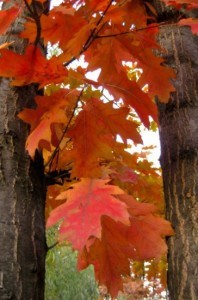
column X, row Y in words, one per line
column 29, row 7
column 130, row 31
column 34, row 13
column 92, row 36
column 38, row 23
column 50, row 161
column 52, row 246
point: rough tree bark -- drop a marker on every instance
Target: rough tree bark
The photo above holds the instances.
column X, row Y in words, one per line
column 179, row 157
column 22, row 196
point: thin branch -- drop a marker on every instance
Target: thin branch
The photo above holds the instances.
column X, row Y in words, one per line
column 93, row 33
column 92, row 36
column 34, row 13
column 70, row 61
column 38, row 23
column 130, row 31
column 105, row 11
column 52, row 246
column 64, row 131
column 57, row 177
column 29, row 7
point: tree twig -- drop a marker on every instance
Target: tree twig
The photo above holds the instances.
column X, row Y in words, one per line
column 92, row 36
column 130, row 31
column 38, row 23
column 64, row 131
column 52, row 246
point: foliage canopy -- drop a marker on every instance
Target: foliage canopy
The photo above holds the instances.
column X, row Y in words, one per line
column 109, row 200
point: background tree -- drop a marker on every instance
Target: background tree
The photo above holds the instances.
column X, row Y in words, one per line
column 179, row 153
column 107, row 198
column 22, row 189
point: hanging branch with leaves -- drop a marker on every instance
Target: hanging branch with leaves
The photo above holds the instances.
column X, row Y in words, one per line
column 109, row 199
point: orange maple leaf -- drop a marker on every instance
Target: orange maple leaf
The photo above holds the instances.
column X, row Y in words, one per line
column 7, row 17
column 132, row 96
column 90, row 144
column 30, row 67
column 50, row 110
column 94, row 136
column 115, row 120
column 141, row 46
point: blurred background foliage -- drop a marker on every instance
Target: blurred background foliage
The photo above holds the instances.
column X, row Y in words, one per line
column 63, row 281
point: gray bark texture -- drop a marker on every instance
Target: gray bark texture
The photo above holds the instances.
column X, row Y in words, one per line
column 22, row 196
column 179, row 158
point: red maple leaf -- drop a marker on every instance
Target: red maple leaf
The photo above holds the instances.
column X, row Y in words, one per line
column 142, row 240
column 81, row 213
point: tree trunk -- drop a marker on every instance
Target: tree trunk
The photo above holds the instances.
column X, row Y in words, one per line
column 179, row 159
column 22, row 197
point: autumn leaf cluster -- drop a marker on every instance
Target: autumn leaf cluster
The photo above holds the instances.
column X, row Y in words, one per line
column 107, row 198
